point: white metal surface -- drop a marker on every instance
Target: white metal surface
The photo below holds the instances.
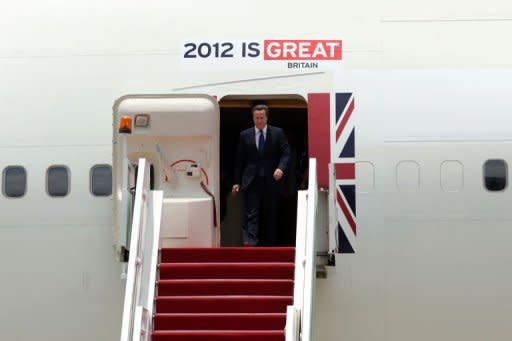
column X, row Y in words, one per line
column 142, row 264
column 183, row 131
column 292, row 328
column 189, row 221
column 307, row 317
column 122, row 196
column 151, row 263
column 332, row 211
column 294, row 313
column 133, row 281
column 429, row 266
column 300, row 249
column 299, row 317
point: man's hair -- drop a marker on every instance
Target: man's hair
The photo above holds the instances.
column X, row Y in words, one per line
column 259, row 107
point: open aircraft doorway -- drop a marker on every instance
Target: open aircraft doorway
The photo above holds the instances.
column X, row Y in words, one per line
column 288, row 112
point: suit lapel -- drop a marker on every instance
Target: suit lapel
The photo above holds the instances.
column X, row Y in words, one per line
column 268, row 140
column 252, row 138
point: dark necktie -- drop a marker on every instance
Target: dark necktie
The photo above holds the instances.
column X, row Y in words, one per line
column 261, row 148
column 261, row 142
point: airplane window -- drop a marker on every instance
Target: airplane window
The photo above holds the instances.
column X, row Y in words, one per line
column 15, row 181
column 495, row 175
column 408, row 176
column 101, row 180
column 365, row 175
column 57, row 181
column 452, row 176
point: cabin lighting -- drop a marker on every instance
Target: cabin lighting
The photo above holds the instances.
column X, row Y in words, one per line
column 141, row 120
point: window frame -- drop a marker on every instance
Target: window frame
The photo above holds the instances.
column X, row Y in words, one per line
column 4, row 173
column 68, row 171
column 462, row 179
column 91, row 178
column 485, row 175
column 397, row 177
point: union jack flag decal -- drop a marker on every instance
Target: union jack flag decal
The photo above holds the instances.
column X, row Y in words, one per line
column 331, row 140
column 343, row 158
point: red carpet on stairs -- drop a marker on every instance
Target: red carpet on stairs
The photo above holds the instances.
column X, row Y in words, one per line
column 223, row 294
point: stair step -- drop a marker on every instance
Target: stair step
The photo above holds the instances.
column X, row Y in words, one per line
column 197, row 287
column 222, row 304
column 223, row 294
column 275, row 321
column 228, row 254
column 226, row 270
column 218, row 335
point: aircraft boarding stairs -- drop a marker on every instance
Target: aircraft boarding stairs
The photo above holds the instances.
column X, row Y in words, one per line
column 217, row 293
column 223, row 293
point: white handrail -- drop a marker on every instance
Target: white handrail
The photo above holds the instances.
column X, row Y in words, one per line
column 142, row 264
column 122, row 197
column 331, row 206
column 299, row 317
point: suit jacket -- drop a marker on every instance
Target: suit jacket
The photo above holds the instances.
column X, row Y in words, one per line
column 248, row 159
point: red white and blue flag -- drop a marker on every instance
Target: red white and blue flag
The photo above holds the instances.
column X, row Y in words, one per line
column 343, row 158
column 331, row 139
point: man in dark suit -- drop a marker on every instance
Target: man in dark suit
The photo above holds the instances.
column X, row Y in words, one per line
column 261, row 160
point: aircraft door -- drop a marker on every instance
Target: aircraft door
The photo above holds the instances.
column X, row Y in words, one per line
column 179, row 136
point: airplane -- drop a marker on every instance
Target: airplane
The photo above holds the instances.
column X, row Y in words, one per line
column 403, row 107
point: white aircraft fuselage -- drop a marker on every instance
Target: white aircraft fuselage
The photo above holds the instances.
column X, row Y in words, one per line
column 432, row 105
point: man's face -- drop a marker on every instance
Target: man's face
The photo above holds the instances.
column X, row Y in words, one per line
column 259, row 118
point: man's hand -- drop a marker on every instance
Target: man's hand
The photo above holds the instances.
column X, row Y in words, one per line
column 235, row 189
column 278, row 174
